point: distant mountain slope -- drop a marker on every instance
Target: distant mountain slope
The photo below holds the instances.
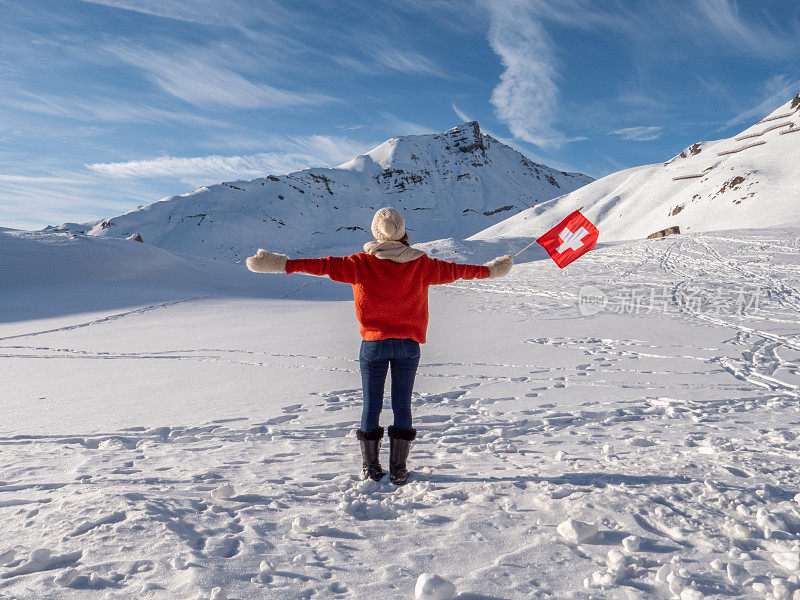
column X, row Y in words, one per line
column 46, row 274
column 749, row 180
column 447, row 185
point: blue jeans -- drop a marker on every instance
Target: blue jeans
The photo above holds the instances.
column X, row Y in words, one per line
column 375, row 358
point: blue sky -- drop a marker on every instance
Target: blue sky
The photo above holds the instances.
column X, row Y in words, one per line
column 110, row 104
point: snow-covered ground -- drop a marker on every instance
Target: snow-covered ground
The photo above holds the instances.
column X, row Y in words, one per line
column 189, row 427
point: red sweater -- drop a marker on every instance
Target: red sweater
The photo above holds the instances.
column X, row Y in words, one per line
column 391, row 298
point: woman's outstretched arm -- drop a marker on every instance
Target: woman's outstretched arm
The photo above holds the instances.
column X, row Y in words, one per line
column 338, row 268
column 448, row 272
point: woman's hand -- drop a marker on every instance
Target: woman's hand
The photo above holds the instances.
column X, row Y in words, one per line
column 267, row 262
column 500, row 266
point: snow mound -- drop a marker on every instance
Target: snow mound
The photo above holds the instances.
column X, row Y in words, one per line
column 224, row 492
column 788, row 560
column 433, row 587
column 577, row 531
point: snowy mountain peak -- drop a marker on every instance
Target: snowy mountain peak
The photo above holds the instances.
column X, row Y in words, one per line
column 449, row 184
column 411, row 151
column 466, row 137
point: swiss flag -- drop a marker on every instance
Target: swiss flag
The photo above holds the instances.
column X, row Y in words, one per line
column 570, row 239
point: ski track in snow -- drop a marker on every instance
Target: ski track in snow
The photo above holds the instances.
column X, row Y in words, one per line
column 102, row 320
column 681, row 448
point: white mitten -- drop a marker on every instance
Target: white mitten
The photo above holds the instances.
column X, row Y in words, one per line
column 267, row 262
column 500, row 266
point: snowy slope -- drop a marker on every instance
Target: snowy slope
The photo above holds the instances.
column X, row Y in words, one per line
column 447, row 185
column 749, row 180
column 187, row 447
column 44, row 274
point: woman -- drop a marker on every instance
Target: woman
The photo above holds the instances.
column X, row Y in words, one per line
column 390, row 282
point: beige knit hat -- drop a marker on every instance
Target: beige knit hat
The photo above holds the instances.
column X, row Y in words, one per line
column 388, row 225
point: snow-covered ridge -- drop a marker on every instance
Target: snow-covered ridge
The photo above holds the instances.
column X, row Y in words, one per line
column 448, row 185
column 748, row 180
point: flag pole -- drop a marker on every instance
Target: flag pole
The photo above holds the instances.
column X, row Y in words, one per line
column 534, row 241
column 525, row 248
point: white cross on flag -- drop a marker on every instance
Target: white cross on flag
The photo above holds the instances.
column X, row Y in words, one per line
column 570, row 239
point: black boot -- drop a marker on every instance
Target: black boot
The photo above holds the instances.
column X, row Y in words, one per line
column 370, row 453
column 399, row 445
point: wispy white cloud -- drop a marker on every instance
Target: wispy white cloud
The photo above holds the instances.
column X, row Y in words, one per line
column 720, row 23
column 203, row 169
column 36, row 179
column 752, row 34
column 52, row 196
column 401, row 127
column 352, row 127
column 33, row 201
column 203, row 77
column 226, row 13
column 103, row 110
column 458, row 15
column 322, row 150
column 294, row 153
column 777, row 90
column 639, row 133
column 634, row 96
column 376, row 53
column 526, row 99
column 408, row 61
column 583, row 14
column 461, row 114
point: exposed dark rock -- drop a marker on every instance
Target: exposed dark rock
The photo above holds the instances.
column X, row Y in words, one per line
column 489, row 213
column 692, row 150
column 322, row 179
column 201, row 216
column 731, row 184
column 467, row 138
column 664, row 233
column 530, row 164
column 401, row 179
column 551, row 180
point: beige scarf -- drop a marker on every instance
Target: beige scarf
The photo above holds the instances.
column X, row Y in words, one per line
column 392, row 250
